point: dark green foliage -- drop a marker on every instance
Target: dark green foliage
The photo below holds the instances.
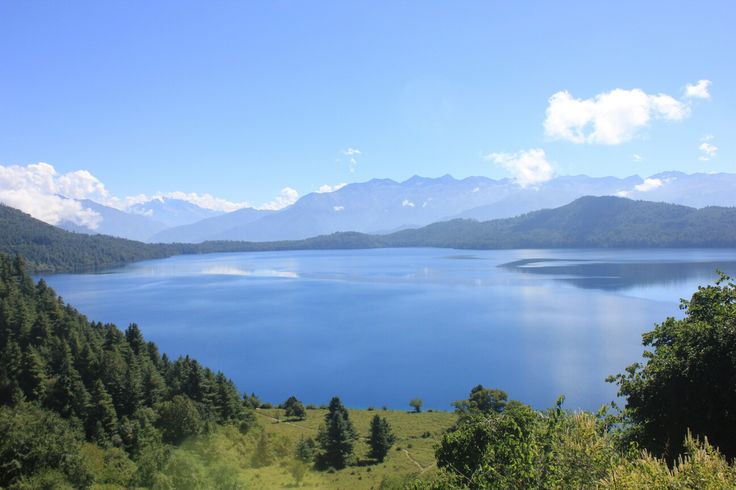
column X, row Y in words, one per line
column 688, row 377
column 112, row 386
column 523, row 448
column 482, row 401
column 33, row 439
column 306, row 449
column 294, row 408
column 102, row 420
column 179, row 419
column 336, row 437
column 502, row 444
column 381, row 438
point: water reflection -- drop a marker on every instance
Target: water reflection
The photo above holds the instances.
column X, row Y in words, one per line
column 614, row 276
column 378, row 327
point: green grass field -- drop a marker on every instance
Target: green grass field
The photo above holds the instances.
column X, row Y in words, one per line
column 411, row 456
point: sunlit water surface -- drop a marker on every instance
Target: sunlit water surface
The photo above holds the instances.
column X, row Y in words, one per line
column 380, row 327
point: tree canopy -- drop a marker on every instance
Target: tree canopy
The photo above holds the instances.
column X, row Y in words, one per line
column 687, row 379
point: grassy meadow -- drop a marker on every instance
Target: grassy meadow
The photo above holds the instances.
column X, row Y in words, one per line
column 229, row 454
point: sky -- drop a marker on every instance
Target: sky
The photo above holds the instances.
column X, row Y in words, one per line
column 255, row 103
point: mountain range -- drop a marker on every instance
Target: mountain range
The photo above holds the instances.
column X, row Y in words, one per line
column 587, row 222
column 381, row 206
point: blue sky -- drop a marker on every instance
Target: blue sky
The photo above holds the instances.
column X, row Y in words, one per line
column 242, row 99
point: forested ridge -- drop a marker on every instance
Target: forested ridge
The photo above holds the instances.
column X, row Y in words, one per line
column 65, row 379
column 588, row 222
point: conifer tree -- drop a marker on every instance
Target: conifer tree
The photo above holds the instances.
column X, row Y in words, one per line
column 102, row 418
column 381, row 439
column 337, row 436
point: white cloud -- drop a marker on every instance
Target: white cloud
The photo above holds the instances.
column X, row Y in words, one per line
column 352, row 154
column 609, row 118
column 529, row 167
column 206, row 201
column 649, row 184
column 286, row 197
column 407, row 203
column 698, row 90
column 338, row 208
column 636, row 157
column 39, row 191
column 477, row 189
column 330, row 188
column 709, row 151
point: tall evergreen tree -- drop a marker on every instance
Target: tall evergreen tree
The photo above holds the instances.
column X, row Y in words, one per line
column 102, row 419
column 381, row 439
column 337, row 436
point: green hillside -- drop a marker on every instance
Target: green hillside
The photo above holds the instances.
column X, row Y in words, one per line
column 588, row 222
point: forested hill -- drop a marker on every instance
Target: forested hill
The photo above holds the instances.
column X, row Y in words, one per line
column 47, row 248
column 64, row 379
column 588, row 222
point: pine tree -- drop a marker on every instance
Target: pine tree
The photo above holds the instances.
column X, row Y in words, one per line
column 337, row 437
column 294, row 408
column 381, row 439
column 32, row 378
column 102, row 420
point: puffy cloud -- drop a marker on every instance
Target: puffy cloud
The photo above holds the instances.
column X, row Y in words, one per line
column 206, row 201
column 407, row 203
column 698, row 90
column 40, row 191
column 286, row 197
column 529, row 167
column 708, row 149
column 330, row 188
column 649, row 184
column 338, row 208
column 609, row 118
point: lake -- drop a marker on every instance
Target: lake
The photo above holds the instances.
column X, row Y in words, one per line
column 380, row 327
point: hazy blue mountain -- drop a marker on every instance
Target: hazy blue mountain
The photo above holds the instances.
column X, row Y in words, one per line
column 588, row 222
column 551, row 194
column 383, row 205
column 205, row 229
column 117, row 223
column 697, row 190
column 374, row 206
column 173, row 212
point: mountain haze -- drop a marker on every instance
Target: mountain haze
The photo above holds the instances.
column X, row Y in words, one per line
column 588, row 222
column 384, row 205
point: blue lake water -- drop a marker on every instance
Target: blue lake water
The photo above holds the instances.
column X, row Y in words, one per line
column 380, row 327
